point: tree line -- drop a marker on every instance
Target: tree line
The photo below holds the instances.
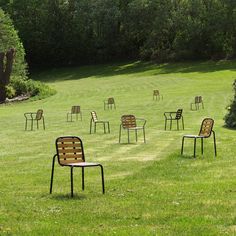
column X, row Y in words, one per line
column 75, row 32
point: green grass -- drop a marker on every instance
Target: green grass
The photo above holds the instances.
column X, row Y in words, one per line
column 150, row 188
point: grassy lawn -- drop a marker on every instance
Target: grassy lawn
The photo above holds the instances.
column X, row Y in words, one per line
column 150, row 188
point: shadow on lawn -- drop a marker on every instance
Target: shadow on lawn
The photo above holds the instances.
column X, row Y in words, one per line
column 63, row 197
column 98, row 71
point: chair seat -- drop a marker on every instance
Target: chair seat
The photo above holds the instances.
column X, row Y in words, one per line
column 193, row 136
column 101, row 121
column 83, row 164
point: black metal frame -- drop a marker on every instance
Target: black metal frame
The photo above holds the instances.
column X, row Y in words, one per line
column 195, row 137
column 99, row 121
column 135, row 129
column 32, row 116
column 72, row 166
column 168, row 116
column 197, row 101
column 71, row 115
column 109, row 105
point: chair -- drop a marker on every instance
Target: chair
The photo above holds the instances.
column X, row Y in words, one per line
column 94, row 120
column 128, row 122
column 34, row 116
column 205, row 132
column 156, row 95
column 70, row 153
column 174, row 115
column 197, row 101
column 109, row 103
column 75, row 110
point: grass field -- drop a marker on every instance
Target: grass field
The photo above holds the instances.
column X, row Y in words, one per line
column 150, row 188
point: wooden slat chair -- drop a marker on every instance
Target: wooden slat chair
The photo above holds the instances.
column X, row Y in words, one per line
column 157, row 95
column 205, row 132
column 94, row 120
column 34, row 116
column 174, row 115
column 70, row 153
column 75, row 110
column 197, row 101
column 128, row 122
column 109, row 103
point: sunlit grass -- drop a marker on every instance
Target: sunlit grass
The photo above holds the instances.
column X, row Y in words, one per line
column 150, row 188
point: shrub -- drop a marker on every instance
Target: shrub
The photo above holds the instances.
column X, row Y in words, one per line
column 230, row 118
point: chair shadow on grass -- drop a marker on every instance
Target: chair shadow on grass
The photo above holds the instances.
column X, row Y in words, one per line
column 67, row 196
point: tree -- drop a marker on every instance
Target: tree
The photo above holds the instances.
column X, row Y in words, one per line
column 6, row 63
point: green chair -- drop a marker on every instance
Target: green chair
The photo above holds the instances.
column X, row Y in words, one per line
column 94, row 121
column 75, row 110
column 32, row 117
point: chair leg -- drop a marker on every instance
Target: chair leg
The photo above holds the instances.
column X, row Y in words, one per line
column 26, row 124
column 170, row 124
column 128, row 135
column 37, row 124
column 71, row 180
column 194, row 148
column 103, row 185
column 95, row 127
column 120, row 134
column 108, row 125
column 53, row 163
column 177, row 124
column 104, row 127
column 43, row 124
column 182, row 148
column 202, row 145
column 32, row 124
column 80, row 116
column 183, row 122
column 214, row 137
column 144, row 138
column 165, row 123
column 83, row 178
column 136, row 136
column 90, row 126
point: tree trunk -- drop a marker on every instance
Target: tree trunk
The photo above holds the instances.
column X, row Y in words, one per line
column 5, row 71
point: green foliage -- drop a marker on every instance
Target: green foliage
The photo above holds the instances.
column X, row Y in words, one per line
column 230, row 118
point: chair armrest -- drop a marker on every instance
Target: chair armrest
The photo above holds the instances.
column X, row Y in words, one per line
column 29, row 114
column 169, row 113
column 144, row 121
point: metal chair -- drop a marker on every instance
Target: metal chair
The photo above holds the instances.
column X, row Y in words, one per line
column 197, row 101
column 109, row 103
column 157, row 95
column 128, row 122
column 94, row 120
column 205, row 132
column 70, row 153
column 174, row 115
column 34, row 116
column 75, row 110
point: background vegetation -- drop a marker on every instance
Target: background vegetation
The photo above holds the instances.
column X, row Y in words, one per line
column 56, row 32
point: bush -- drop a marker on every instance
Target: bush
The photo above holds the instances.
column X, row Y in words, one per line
column 230, row 118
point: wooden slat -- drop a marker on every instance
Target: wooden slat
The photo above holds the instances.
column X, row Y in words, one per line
column 61, row 156
column 65, row 145
column 68, row 140
column 70, row 150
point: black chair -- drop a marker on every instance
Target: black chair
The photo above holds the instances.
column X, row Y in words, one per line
column 34, row 116
column 94, row 120
column 205, row 132
column 174, row 115
column 70, row 153
column 128, row 122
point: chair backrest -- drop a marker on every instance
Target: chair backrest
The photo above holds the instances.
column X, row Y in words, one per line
column 199, row 99
column 94, row 116
column 39, row 114
column 75, row 109
column 128, row 121
column 196, row 99
column 69, row 150
column 156, row 93
column 178, row 114
column 110, row 101
column 206, row 127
